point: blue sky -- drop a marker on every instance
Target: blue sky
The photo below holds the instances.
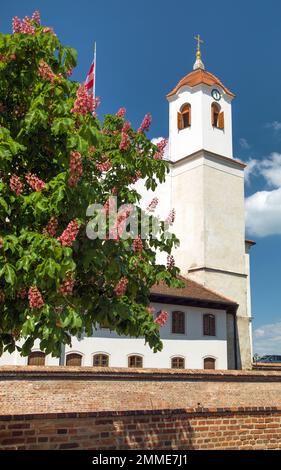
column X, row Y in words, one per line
column 144, row 48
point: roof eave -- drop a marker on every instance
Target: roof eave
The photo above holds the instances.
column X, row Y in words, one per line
column 229, row 307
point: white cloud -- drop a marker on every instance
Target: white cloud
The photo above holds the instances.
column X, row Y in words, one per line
column 263, row 213
column 267, row 339
column 275, row 125
column 263, row 208
column 244, row 143
column 251, row 169
column 270, row 168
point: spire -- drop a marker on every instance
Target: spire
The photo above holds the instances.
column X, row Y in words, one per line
column 198, row 63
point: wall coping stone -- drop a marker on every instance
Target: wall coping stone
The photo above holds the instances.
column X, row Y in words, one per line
column 112, row 373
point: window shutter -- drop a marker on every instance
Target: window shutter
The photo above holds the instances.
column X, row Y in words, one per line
column 209, row 363
column 174, row 322
column 221, row 120
column 178, row 322
column 206, row 330
column 213, row 115
column 180, row 122
column 189, row 116
column 36, row 358
column 212, row 325
column 73, row 360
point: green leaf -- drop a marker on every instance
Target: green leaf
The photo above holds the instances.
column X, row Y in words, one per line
column 4, row 204
column 9, row 273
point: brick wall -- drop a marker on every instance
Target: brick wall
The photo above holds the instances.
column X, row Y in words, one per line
column 160, row 429
column 103, row 408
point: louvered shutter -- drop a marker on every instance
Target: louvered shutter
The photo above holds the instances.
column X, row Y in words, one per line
column 180, row 122
column 221, row 120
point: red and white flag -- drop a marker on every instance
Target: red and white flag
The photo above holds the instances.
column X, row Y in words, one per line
column 90, row 81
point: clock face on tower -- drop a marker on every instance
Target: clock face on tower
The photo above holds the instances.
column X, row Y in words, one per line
column 216, row 94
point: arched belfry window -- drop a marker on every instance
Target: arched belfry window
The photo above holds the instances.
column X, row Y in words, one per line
column 217, row 116
column 184, row 116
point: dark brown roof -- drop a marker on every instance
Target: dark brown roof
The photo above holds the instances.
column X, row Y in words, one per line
column 197, row 77
column 192, row 293
column 250, row 242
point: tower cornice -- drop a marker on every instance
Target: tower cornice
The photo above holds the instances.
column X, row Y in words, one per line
column 205, row 153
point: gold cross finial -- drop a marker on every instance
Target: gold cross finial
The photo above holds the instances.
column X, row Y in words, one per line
column 198, row 64
column 199, row 41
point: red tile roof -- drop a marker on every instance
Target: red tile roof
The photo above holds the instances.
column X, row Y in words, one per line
column 196, row 78
column 192, row 290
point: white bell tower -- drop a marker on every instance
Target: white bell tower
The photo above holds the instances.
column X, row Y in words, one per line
column 207, row 193
column 199, row 114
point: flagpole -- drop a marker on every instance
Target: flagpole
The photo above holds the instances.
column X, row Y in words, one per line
column 95, row 68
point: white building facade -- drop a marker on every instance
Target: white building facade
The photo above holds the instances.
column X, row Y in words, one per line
column 209, row 323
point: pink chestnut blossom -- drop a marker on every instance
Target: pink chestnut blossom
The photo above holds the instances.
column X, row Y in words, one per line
column 105, row 165
column 136, row 177
column 119, row 225
column 145, row 123
column 171, row 217
column 1, row 243
column 161, row 148
column 76, row 168
column 45, row 71
column 153, row 204
column 162, row 318
column 67, row 286
column 150, row 310
column 121, row 112
column 35, row 298
column 84, row 102
column 35, row 182
column 126, row 127
column 49, row 29
column 16, row 23
column 69, row 235
column 137, row 244
column 26, row 26
column 121, row 286
column 36, row 17
column 125, row 141
column 16, row 185
column 96, row 102
column 109, row 206
column 51, row 227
